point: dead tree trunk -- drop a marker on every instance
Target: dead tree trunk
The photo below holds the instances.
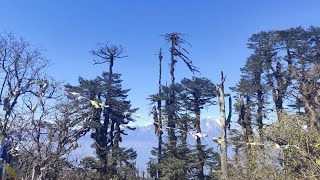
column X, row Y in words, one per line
column 223, row 149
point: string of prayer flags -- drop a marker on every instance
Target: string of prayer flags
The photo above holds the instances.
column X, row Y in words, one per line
column 288, row 145
column 219, row 140
column 79, row 97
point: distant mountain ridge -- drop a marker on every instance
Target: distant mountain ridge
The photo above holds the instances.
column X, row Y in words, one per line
column 143, row 139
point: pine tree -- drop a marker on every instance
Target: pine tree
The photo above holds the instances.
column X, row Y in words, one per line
column 199, row 93
column 176, row 50
column 267, row 47
column 111, row 114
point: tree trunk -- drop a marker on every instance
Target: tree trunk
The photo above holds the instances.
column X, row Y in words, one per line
column 259, row 111
column 159, row 112
column 171, row 121
column 223, row 149
column 199, row 145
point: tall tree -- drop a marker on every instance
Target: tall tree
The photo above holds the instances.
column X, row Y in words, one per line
column 159, row 106
column 111, row 113
column 304, row 51
column 176, row 41
column 200, row 92
column 266, row 45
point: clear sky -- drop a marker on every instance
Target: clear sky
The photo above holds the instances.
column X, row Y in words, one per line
column 217, row 30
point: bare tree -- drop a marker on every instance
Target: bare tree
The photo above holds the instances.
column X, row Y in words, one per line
column 20, row 68
column 223, row 149
column 50, row 132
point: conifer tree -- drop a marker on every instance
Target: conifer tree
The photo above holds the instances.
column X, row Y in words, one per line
column 199, row 93
column 176, row 41
column 111, row 114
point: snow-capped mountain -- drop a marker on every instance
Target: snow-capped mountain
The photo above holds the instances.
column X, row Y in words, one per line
column 143, row 139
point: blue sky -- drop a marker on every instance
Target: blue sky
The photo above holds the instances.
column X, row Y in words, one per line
column 217, row 30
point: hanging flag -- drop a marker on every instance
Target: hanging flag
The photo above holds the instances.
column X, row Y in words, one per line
column 80, row 98
column 74, row 145
column 274, row 146
column 75, row 94
column 305, row 127
column 218, row 140
column 17, row 148
column 103, row 106
column 201, row 135
column 318, row 162
column 159, row 131
column 193, row 135
column 95, row 104
column 254, row 144
column 317, row 145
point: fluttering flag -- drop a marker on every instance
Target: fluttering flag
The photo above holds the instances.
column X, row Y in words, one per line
column 159, row 131
column 201, row 135
column 274, row 146
column 254, row 143
column 80, row 98
column 36, row 81
column 317, row 145
column 305, row 127
column 103, row 106
column 95, row 104
column 193, row 135
column 318, row 162
column 17, row 148
column 75, row 94
column 74, row 145
column 218, row 140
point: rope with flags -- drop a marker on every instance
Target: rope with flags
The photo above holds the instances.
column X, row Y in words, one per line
column 218, row 140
